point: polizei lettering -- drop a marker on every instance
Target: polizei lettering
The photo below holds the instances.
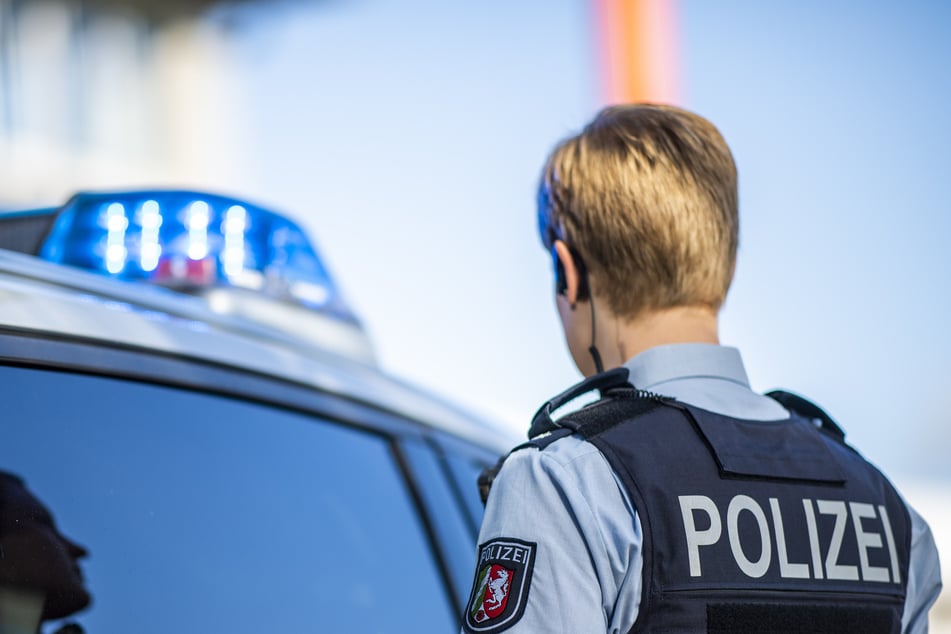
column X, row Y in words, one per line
column 835, row 539
column 504, row 552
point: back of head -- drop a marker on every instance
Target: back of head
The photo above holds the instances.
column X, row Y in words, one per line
column 647, row 194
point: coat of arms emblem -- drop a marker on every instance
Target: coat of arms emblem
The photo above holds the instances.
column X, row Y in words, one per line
column 500, row 587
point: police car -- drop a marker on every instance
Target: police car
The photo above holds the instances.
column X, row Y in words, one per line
column 196, row 437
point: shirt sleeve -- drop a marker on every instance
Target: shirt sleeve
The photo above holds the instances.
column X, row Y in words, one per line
column 924, row 576
column 567, row 502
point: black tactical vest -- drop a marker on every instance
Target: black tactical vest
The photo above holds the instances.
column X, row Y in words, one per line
column 749, row 526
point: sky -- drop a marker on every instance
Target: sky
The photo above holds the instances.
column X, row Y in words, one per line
column 408, row 137
column 836, row 119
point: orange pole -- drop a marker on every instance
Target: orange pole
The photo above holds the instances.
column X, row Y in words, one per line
column 637, row 50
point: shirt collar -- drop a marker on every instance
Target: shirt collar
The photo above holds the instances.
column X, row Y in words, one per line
column 686, row 360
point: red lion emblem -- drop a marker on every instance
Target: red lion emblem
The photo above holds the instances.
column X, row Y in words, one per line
column 489, row 601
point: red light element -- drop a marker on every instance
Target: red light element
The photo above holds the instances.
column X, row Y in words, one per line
column 182, row 271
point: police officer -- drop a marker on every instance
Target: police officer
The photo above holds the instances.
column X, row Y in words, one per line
column 682, row 501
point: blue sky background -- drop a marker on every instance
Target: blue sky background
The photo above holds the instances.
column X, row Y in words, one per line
column 408, row 137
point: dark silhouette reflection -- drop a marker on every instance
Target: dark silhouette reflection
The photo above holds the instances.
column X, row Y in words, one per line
column 40, row 577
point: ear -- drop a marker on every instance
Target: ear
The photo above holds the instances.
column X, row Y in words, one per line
column 572, row 273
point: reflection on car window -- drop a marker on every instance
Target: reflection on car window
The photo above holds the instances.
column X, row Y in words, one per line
column 40, row 575
column 207, row 514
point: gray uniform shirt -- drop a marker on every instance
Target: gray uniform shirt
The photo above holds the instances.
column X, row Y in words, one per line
column 567, row 499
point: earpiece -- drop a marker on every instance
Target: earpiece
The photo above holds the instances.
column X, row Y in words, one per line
column 561, row 287
column 561, row 281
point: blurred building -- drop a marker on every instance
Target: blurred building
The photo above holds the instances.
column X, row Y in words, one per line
column 95, row 93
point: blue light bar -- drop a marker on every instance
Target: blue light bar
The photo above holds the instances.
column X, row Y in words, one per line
column 192, row 242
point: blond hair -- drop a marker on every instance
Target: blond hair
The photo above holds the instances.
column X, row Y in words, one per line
column 647, row 194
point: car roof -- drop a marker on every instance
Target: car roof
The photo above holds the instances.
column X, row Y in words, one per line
column 63, row 301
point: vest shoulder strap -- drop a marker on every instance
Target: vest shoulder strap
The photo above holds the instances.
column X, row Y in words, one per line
column 543, row 422
column 807, row 409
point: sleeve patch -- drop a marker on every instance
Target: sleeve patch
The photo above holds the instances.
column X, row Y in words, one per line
column 500, row 587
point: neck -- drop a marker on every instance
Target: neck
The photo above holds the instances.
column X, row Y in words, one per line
column 20, row 611
column 619, row 340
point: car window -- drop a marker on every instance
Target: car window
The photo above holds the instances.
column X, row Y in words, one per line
column 455, row 534
column 202, row 513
